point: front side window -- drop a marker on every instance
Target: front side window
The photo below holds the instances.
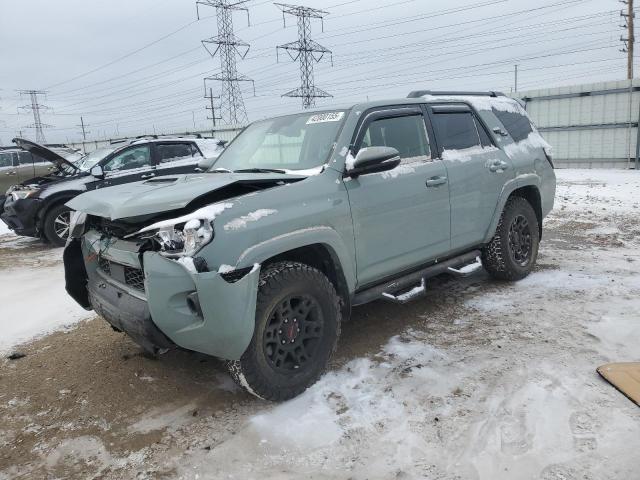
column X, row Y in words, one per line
column 456, row 130
column 294, row 142
column 130, row 159
column 407, row 134
column 90, row 160
column 172, row 152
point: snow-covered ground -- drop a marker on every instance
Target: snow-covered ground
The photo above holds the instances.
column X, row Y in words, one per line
column 480, row 380
column 32, row 296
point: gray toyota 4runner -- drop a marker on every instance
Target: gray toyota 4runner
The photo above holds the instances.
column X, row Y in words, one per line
column 258, row 260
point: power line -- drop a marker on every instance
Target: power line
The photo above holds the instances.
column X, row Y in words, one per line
column 232, row 109
column 307, row 51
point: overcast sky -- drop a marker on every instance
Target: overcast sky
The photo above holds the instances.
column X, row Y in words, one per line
column 93, row 58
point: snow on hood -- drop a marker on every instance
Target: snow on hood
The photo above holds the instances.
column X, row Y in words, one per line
column 161, row 194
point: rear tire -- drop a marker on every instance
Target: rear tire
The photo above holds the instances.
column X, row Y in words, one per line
column 513, row 250
column 297, row 328
column 56, row 225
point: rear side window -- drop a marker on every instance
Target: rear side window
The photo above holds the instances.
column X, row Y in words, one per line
column 171, row 152
column 407, row 134
column 456, row 130
column 516, row 124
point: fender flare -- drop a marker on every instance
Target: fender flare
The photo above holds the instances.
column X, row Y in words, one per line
column 304, row 237
column 525, row 180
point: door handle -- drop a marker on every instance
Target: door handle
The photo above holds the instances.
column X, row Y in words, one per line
column 10, row 173
column 148, row 175
column 436, row 181
column 498, row 166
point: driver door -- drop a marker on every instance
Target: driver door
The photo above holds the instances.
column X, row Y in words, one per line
column 400, row 217
column 131, row 165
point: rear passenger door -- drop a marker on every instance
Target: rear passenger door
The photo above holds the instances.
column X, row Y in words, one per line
column 477, row 171
column 176, row 157
column 400, row 217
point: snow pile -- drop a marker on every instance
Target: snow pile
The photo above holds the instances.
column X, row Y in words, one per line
column 402, row 169
column 34, row 302
column 582, row 191
column 241, row 222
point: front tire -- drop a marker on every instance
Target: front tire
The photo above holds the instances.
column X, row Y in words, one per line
column 297, row 328
column 513, row 250
column 56, row 225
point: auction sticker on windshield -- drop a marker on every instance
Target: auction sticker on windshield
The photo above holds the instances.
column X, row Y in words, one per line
column 325, row 117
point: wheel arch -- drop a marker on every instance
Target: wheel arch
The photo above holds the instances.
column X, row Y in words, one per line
column 52, row 202
column 324, row 258
column 530, row 192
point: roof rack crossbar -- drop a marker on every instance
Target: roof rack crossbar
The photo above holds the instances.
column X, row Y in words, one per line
column 422, row 93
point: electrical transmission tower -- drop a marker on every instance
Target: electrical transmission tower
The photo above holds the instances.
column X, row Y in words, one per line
column 227, row 46
column 630, row 39
column 36, row 108
column 307, row 51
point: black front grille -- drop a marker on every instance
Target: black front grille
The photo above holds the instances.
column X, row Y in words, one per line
column 104, row 265
column 134, row 277
column 130, row 276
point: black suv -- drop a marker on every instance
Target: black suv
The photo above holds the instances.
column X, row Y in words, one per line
column 36, row 207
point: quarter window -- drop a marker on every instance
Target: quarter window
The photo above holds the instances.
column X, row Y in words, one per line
column 518, row 125
column 131, row 158
column 407, row 134
column 171, row 152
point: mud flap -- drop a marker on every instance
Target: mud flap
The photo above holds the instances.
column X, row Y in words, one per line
column 75, row 274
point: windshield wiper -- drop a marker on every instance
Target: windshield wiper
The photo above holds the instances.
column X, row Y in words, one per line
column 259, row 170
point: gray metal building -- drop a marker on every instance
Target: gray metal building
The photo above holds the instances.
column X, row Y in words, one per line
column 590, row 125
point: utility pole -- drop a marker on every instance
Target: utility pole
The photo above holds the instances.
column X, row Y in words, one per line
column 515, row 81
column 212, row 107
column 227, row 46
column 36, row 108
column 306, row 50
column 83, row 126
column 630, row 39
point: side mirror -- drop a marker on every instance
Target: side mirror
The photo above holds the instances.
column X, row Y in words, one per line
column 499, row 131
column 374, row 160
column 205, row 164
column 97, row 171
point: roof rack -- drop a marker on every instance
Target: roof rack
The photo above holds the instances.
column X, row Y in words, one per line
column 422, row 93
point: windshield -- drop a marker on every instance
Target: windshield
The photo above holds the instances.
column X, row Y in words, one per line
column 90, row 160
column 295, row 142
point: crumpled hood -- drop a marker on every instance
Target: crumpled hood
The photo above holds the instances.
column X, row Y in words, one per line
column 161, row 194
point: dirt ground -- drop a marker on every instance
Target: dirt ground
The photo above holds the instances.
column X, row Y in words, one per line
column 478, row 380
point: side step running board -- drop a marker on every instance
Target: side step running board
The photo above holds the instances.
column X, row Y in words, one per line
column 467, row 269
column 417, row 277
column 406, row 297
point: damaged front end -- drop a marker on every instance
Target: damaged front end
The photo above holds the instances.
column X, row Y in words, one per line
column 145, row 283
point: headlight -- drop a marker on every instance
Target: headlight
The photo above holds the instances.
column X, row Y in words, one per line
column 185, row 241
column 20, row 194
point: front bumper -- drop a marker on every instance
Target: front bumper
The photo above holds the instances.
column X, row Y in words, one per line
column 197, row 311
column 21, row 215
